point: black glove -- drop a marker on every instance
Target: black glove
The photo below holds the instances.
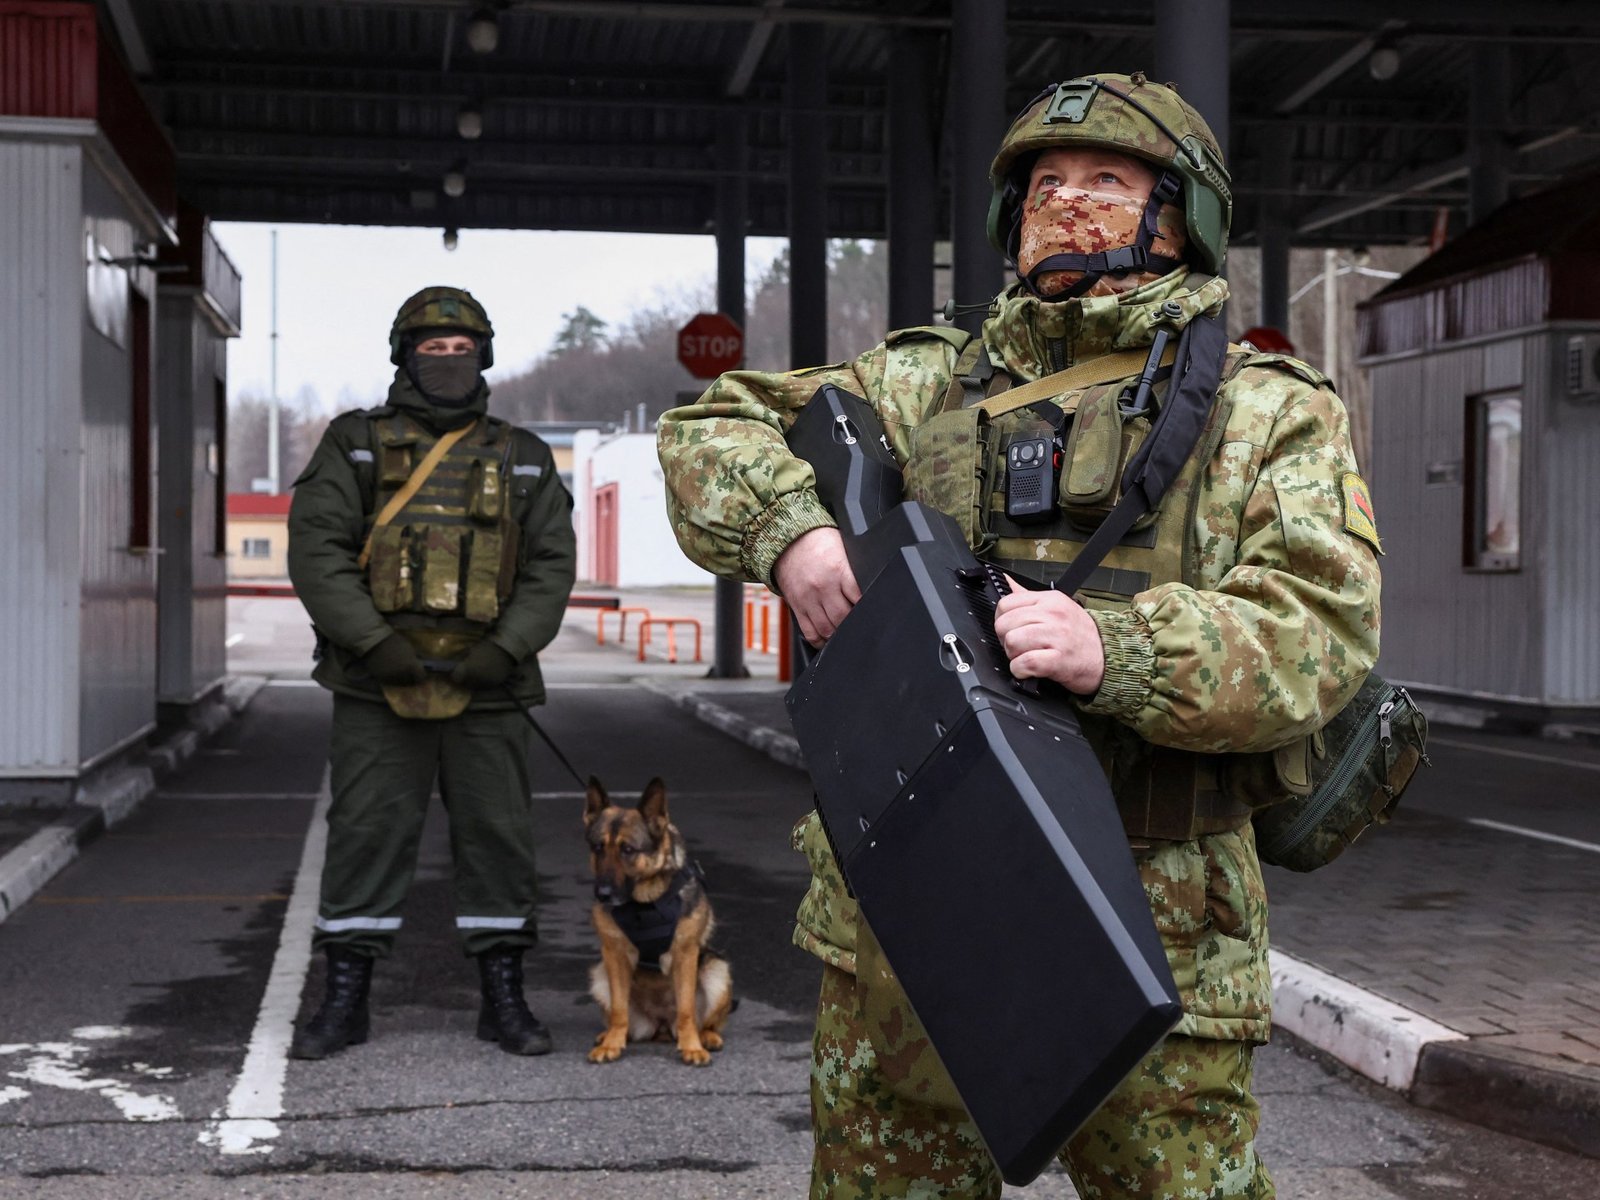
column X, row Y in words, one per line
column 394, row 661
column 485, row 666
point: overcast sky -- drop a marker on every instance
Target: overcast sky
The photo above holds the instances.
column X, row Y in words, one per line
column 339, row 287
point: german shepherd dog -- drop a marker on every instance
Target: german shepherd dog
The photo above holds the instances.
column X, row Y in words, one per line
column 655, row 979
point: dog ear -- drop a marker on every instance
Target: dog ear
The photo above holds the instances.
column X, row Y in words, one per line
column 594, row 800
column 653, row 804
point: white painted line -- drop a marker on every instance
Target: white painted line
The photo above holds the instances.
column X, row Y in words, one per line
column 297, row 683
column 1534, row 833
column 233, row 640
column 1528, row 754
column 249, row 1124
column 1373, row 1036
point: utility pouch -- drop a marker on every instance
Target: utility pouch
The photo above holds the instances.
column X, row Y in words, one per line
column 389, row 570
column 1093, row 465
column 396, row 458
column 1371, row 750
column 482, row 601
column 441, row 568
column 949, row 460
column 486, row 493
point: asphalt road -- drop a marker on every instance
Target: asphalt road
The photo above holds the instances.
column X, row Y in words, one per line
column 134, row 985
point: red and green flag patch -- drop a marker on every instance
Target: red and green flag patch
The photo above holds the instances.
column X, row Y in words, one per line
column 1359, row 519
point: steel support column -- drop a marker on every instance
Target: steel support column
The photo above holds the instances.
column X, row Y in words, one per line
column 808, row 214
column 977, row 116
column 913, row 178
column 1488, row 151
column 808, row 190
column 731, row 219
column 1274, row 228
column 1192, row 52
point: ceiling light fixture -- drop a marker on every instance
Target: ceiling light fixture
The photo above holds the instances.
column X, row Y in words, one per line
column 469, row 121
column 1384, row 63
column 483, row 31
column 455, row 182
column 452, row 239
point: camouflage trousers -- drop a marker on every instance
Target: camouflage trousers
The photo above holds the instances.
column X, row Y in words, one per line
column 1182, row 1126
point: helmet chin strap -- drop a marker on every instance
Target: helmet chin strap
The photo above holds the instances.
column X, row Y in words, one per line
column 1122, row 261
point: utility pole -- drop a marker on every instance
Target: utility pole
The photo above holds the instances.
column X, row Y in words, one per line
column 272, row 412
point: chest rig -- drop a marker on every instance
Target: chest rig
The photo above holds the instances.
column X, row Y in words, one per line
column 446, row 561
column 965, row 460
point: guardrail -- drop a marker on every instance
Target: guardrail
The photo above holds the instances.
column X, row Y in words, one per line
column 672, row 624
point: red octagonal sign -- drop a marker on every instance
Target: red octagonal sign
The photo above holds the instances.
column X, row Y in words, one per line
column 710, row 344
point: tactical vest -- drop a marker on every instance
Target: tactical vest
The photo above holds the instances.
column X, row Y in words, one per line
column 958, row 464
column 444, row 564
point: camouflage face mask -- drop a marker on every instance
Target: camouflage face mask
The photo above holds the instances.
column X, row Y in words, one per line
column 1069, row 220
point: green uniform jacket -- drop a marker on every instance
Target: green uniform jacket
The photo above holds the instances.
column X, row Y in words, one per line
column 1277, row 630
column 328, row 522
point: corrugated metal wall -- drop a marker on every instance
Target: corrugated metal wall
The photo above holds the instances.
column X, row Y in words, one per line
column 118, row 684
column 41, row 314
column 1570, row 506
column 192, row 581
column 1442, row 625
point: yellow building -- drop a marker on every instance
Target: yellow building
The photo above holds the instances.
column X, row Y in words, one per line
column 258, row 536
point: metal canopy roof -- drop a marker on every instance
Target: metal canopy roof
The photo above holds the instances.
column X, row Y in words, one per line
column 603, row 114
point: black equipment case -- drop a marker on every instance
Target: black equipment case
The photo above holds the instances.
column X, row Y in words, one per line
column 971, row 819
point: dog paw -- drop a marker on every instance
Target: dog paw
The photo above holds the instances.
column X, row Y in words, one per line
column 604, row 1053
column 711, row 1039
column 695, row 1056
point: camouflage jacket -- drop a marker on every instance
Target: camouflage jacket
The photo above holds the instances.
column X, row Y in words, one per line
column 327, row 526
column 1277, row 629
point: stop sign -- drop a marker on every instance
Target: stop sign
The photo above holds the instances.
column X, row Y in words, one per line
column 709, row 345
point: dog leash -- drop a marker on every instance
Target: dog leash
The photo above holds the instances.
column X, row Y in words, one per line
column 527, row 715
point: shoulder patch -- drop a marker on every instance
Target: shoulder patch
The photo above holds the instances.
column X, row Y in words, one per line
column 1359, row 519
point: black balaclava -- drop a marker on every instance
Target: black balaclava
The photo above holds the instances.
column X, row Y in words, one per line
column 448, row 380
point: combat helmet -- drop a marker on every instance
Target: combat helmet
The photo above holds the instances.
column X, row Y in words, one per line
column 441, row 308
column 1130, row 114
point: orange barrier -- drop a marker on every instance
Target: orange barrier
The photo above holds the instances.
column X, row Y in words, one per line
column 672, row 624
column 759, row 612
column 621, row 613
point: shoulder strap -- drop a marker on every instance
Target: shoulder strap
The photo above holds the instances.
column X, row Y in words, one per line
column 1108, row 368
column 1177, row 430
column 413, row 485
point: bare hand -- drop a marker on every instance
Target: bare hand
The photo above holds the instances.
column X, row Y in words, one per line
column 1049, row 635
column 817, row 583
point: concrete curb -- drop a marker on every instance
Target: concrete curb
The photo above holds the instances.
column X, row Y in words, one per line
column 1434, row 1066
column 781, row 747
column 108, row 797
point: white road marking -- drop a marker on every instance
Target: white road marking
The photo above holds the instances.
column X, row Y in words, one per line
column 56, row 1065
column 256, row 1101
column 233, row 640
column 296, row 683
column 1534, row 833
column 1528, row 754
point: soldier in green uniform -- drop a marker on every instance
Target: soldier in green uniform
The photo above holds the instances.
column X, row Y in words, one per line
column 1205, row 652
column 432, row 546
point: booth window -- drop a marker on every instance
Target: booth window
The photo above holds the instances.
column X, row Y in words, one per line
column 257, row 548
column 1494, row 453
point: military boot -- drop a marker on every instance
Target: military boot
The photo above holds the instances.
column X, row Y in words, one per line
column 504, row 1017
column 342, row 1019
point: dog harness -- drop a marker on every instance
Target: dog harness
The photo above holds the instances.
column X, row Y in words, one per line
column 650, row 926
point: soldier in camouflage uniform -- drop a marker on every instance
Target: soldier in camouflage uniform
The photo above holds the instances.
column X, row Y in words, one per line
column 432, row 546
column 1205, row 652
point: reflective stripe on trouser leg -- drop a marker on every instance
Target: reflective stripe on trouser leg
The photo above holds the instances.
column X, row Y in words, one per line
column 382, row 769
column 483, row 776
